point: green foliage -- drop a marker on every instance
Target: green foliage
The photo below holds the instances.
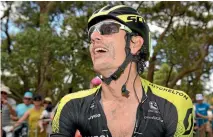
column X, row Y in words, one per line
column 50, row 53
column 185, row 43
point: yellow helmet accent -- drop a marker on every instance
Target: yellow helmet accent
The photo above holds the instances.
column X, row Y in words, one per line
column 129, row 17
column 104, row 12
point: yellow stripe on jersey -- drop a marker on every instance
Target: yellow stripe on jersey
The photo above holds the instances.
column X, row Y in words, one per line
column 64, row 100
column 181, row 101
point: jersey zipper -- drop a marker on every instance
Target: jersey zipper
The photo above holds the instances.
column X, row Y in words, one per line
column 105, row 128
column 137, row 122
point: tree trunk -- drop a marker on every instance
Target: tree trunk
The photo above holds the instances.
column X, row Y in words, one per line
column 196, row 66
column 43, row 81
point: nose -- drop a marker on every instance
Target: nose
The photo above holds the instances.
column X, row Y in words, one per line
column 96, row 36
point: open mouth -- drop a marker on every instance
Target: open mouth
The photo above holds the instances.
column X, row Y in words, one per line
column 100, row 50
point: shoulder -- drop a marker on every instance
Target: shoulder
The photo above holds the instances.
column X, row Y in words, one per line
column 72, row 97
column 177, row 97
column 20, row 106
column 206, row 104
column 11, row 101
column 180, row 101
column 30, row 110
column 77, row 95
column 68, row 104
column 42, row 109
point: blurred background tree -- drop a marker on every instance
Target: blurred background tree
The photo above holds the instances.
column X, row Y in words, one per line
column 49, row 53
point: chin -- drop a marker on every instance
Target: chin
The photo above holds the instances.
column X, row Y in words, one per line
column 97, row 68
column 104, row 70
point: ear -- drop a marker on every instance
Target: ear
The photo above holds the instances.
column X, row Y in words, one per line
column 136, row 44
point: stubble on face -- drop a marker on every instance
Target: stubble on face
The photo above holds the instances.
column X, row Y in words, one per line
column 111, row 47
column 106, row 63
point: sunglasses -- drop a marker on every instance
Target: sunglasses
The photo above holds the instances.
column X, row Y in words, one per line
column 107, row 28
column 27, row 98
column 37, row 99
column 47, row 102
column 3, row 93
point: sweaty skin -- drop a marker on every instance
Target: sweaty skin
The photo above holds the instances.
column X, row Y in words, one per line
column 149, row 110
column 161, row 113
column 121, row 120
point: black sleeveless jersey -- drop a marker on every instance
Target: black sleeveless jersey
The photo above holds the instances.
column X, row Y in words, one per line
column 162, row 112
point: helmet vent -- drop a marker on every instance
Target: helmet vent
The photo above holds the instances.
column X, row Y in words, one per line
column 107, row 8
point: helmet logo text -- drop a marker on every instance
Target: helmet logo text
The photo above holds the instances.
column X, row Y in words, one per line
column 135, row 19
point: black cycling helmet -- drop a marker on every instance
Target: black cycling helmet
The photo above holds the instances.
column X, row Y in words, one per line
column 127, row 16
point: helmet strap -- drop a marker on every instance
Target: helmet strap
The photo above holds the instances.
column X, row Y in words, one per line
column 129, row 58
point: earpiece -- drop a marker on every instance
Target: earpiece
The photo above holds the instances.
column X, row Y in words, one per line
column 125, row 92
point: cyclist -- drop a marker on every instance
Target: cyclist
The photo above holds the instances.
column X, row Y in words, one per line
column 124, row 104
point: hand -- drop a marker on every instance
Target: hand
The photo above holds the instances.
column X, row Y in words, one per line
column 12, row 129
column 15, row 118
column 210, row 118
column 4, row 101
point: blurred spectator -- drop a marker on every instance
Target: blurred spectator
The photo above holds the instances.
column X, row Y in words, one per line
column 7, row 106
column 47, row 101
column 212, row 120
column 21, row 109
column 202, row 115
column 45, row 118
column 33, row 116
column 27, row 104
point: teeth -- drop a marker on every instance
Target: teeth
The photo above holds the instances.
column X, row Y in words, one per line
column 100, row 49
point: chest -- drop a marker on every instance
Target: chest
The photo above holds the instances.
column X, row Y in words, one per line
column 5, row 109
column 35, row 115
column 21, row 109
column 201, row 108
column 120, row 118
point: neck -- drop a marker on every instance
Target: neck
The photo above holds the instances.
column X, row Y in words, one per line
column 37, row 107
column 113, row 91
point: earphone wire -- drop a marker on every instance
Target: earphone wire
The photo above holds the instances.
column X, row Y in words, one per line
column 129, row 73
column 135, row 89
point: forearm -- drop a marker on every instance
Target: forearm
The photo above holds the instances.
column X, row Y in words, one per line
column 14, row 118
column 202, row 116
column 22, row 119
column 17, row 124
column 12, row 111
